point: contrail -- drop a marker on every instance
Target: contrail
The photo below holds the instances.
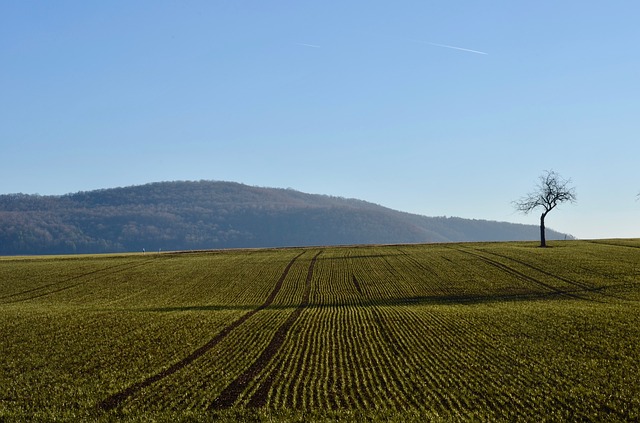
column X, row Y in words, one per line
column 446, row 46
column 308, row 45
column 456, row 48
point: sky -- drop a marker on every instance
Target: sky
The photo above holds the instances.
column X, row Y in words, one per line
column 440, row 108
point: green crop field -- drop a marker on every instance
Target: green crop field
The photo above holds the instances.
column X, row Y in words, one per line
column 447, row 332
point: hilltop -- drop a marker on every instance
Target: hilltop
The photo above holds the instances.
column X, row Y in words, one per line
column 210, row 215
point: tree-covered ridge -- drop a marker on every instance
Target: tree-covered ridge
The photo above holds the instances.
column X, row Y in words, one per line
column 206, row 215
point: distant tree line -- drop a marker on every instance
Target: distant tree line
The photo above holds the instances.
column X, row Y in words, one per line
column 208, row 215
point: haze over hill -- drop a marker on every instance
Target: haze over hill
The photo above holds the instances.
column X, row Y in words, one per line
column 210, row 215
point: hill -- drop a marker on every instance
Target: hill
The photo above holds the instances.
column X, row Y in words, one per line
column 211, row 215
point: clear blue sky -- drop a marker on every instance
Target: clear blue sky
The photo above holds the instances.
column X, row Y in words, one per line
column 432, row 107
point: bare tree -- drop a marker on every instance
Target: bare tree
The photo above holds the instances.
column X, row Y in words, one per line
column 551, row 191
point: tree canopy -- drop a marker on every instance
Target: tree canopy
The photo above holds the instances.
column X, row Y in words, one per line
column 551, row 191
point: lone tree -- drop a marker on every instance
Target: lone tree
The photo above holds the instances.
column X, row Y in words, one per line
column 551, row 191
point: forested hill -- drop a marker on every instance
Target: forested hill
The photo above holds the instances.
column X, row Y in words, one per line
column 209, row 215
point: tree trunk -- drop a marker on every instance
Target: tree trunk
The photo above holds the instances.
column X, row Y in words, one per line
column 543, row 238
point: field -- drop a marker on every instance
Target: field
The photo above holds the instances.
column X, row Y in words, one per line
column 447, row 332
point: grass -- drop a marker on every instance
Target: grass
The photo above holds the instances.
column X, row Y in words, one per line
column 447, row 332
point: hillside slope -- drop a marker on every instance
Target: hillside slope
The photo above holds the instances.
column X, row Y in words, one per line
column 207, row 215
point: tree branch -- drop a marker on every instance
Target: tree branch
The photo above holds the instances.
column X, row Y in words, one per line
column 551, row 191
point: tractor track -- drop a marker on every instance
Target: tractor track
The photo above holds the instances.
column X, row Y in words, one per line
column 613, row 244
column 356, row 284
column 584, row 287
column 233, row 391
column 100, row 272
column 118, row 398
column 520, row 275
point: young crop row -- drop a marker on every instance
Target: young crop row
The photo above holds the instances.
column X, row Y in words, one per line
column 171, row 280
column 226, row 347
column 101, row 334
column 397, row 349
column 469, row 331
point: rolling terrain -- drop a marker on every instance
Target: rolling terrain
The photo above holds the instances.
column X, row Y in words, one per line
column 461, row 331
column 206, row 215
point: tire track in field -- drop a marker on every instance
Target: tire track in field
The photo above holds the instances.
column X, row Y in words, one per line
column 118, row 398
column 613, row 244
column 233, row 391
column 119, row 267
column 356, row 284
column 582, row 285
column 520, row 275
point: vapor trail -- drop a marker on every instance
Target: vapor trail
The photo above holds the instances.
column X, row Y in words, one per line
column 456, row 48
column 308, row 45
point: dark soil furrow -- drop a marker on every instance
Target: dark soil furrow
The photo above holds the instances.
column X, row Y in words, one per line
column 585, row 287
column 613, row 244
column 93, row 272
column 120, row 268
column 519, row 275
column 357, row 284
column 231, row 393
column 118, row 398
